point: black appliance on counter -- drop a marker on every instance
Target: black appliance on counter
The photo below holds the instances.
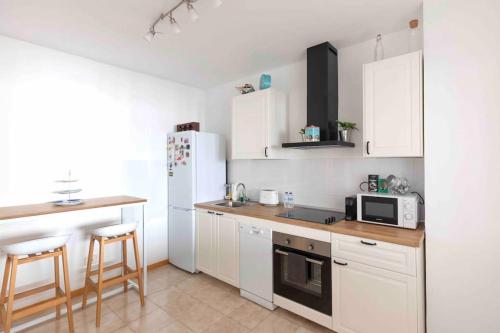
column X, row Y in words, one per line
column 351, row 208
column 302, row 271
column 313, row 215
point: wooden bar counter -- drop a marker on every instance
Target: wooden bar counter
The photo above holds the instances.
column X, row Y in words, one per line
column 14, row 212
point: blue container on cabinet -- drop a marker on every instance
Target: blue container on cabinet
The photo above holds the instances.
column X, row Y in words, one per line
column 265, row 81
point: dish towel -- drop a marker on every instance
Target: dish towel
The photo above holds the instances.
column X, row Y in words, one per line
column 297, row 268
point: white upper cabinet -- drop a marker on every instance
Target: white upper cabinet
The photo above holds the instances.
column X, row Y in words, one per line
column 258, row 124
column 393, row 107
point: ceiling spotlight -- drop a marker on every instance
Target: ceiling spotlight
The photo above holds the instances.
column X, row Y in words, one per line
column 174, row 25
column 193, row 14
column 150, row 35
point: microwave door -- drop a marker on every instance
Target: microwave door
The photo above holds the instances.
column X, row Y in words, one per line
column 380, row 210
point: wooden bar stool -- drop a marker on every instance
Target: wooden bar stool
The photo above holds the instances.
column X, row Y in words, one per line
column 109, row 235
column 27, row 252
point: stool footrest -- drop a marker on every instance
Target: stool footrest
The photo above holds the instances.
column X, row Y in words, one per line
column 109, row 268
column 114, row 280
column 33, row 291
column 119, row 279
column 37, row 307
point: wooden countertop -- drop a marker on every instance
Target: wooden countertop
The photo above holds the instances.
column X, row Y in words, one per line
column 407, row 237
column 14, row 212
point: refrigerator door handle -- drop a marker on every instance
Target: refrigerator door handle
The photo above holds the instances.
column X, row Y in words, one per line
column 183, row 209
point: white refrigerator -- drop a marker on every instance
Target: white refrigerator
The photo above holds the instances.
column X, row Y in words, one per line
column 196, row 173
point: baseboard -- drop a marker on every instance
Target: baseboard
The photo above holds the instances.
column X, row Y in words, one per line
column 158, row 264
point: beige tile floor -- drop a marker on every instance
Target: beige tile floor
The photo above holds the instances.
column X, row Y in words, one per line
column 179, row 302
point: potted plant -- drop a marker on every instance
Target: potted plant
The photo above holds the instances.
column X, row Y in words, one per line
column 346, row 128
column 302, row 132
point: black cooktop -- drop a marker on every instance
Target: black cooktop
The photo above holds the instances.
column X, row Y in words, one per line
column 313, row 215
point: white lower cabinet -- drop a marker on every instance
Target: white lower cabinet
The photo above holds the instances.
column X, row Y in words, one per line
column 217, row 245
column 228, row 249
column 206, row 228
column 369, row 299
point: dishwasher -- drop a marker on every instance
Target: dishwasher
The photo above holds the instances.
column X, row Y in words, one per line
column 256, row 264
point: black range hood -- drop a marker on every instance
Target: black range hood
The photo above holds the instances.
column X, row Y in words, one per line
column 322, row 97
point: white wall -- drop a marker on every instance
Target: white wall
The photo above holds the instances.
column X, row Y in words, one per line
column 462, row 165
column 109, row 125
column 307, row 176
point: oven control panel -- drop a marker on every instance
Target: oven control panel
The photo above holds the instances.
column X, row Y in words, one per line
column 302, row 244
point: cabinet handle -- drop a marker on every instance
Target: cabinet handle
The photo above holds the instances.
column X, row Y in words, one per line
column 368, row 243
column 219, row 214
column 265, row 151
column 367, row 147
column 209, row 212
column 340, row 263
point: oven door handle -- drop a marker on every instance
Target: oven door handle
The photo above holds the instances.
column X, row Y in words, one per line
column 281, row 252
column 317, row 262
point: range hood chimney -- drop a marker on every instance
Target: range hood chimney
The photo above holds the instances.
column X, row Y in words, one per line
column 322, row 97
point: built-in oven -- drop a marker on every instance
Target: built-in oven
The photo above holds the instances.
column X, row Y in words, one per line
column 302, row 271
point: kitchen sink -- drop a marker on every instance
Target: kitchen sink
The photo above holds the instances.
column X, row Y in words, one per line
column 230, row 204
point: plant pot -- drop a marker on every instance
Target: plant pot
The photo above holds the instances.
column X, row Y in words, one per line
column 345, row 135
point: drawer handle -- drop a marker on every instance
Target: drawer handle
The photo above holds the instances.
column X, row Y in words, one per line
column 219, row 214
column 210, row 212
column 340, row 263
column 368, row 243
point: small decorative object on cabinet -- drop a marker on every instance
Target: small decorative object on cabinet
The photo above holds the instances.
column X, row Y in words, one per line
column 346, row 129
column 302, row 133
column 258, row 124
column 246, row 88
column 392, row 107
column 193, row 126
column 312, row 133
column 379, row 49
column 413, row 43
column 265, row 81
column 68, row 191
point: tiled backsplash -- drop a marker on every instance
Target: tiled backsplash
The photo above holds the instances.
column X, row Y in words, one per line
column 322, row 182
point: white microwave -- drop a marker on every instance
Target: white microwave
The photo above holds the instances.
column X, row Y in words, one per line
column 388, row 209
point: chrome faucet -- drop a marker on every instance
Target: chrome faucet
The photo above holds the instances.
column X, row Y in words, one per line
column 241, row 196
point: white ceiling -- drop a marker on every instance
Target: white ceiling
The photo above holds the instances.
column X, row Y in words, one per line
column 240, row 38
